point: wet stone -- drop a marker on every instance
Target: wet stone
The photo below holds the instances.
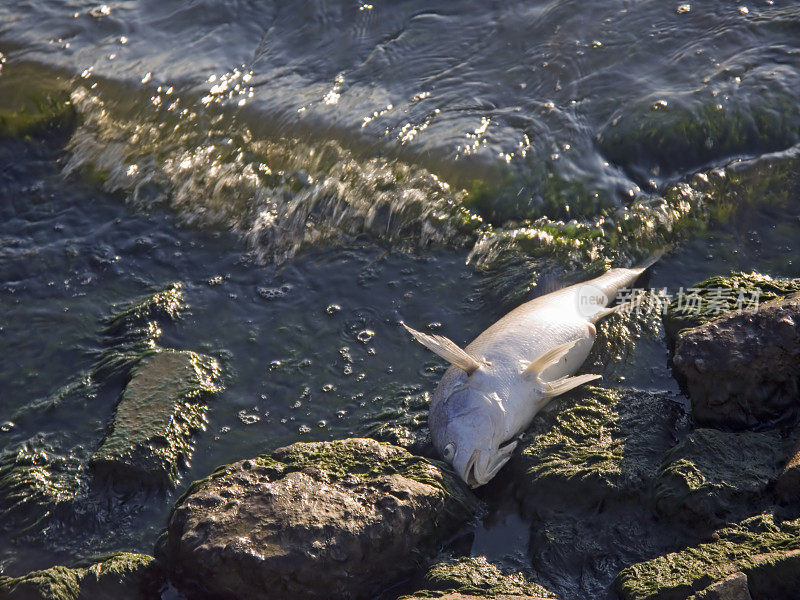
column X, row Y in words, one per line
column 712, row 477
column 742, row 370
column 476, row 577
column 585, row 476
column 764, row 548
column 605, row 444
column 123, row 576
column 329, row 520
column 163, row 404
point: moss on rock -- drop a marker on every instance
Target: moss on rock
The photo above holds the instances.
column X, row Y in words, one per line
column 720, row 295
column 606, row 444
column 763, row 547
column 160, row 408
column 691, row 134
column 122, row 576
column 712, row 477
column 319, row 520
column 475, row 577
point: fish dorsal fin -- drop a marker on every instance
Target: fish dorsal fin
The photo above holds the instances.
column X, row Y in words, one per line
column 445, row 348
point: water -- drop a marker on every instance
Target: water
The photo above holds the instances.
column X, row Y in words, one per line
column 315, row 172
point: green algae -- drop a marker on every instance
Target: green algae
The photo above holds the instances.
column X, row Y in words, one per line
column 606, row 444
column 763, row 547
column 34, row 102
column 475, row 576
column 348, row 460
column 37, row 482
column 720, row 295
column 160, row 408
column 123, row 576
column 712, row 477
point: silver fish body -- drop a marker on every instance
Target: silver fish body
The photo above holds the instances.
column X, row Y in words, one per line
column 497, row 384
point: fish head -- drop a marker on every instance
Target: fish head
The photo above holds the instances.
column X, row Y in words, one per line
column 466, row 428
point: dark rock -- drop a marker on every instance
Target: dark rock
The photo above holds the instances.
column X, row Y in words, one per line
column 326, row 520
column 123, row 576
column 742, row 370
column 586, row 474
column 160, row 408
column 703, row 302
column 788, row 485
column 475, row 577
column 404, row 423
column 712, row 477
column 765, row 549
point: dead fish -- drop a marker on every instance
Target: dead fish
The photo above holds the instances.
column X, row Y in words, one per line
column 496, row 385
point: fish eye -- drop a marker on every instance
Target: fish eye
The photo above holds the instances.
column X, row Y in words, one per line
column 449, row 451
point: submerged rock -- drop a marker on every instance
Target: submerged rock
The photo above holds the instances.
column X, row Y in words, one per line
column 741, row 370
column 34, row 102
column 314, row 520
column 123, row 576
column 38, row 482
column 765, row 549
column 476, row 577
column 585, row 479
column 161, row 407
column 712, row 477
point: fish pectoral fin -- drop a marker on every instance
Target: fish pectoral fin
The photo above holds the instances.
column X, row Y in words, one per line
column 549, row 358
column 619, row 308
column 447, row 349
column 565, row 384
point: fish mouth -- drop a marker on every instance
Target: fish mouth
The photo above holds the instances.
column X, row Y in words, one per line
column 478, row 473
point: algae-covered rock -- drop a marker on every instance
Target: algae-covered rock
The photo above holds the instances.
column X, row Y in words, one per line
column 34, row 101
column 741, row 370
column 712, row 477
column 720, row 295
column 476, row 577
column 604, row 445
column 765, row 549
column 122, row 576
column 162, row 405
column 585, row 476
column 314, row 520
column 38, row 481
column 692, row 132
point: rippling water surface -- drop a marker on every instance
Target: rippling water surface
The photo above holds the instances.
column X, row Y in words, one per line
column 315, row 172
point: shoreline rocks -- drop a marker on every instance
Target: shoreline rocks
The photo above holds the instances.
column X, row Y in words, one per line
column 742, row 370
column 475, row 578
column 585, row 477
column 122, row 576
column 328, row 520
column 712, row 477
column 764, row 548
